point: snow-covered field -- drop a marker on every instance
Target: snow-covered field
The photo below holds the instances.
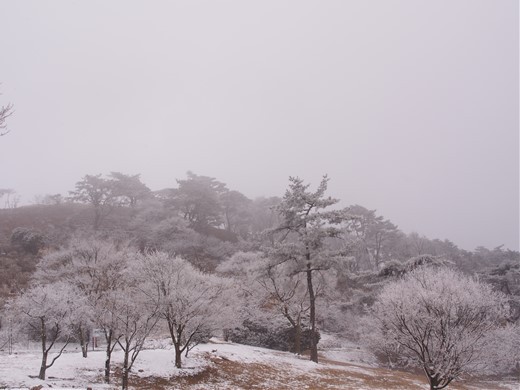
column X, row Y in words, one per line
column 217, row 365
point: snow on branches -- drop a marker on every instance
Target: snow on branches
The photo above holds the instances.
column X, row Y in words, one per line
column 440, row 320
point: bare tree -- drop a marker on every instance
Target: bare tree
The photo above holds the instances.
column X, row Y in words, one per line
column 252, row 303
column 288, row 291
column 11, row 198
column 136, row 319
column 190, row 302
column 97, row 268
column 5, row 112
column 440, row 320
column 47, row 311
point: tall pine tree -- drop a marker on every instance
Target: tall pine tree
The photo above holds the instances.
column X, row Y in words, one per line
column 301, row 238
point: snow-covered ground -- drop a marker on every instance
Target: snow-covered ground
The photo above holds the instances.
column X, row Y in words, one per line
column 216, row 365
column 71, row 370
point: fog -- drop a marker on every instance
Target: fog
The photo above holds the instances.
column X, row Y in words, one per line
column 410, row 107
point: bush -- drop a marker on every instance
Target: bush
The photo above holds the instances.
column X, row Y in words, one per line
column 280, row 338
column 392, row 268
column 30, row 241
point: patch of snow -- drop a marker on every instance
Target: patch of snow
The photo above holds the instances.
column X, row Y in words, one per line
column 71, row 370
column 346, row 351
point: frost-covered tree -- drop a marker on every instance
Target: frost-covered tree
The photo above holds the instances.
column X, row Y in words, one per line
column 483, row 257
column 287, row 290
column 105, row 194
column 93, row 265
column 440, row 320
column 198, row 200
column 153, row 228
column 370, row 237
column 506, row 278
column 273, row 306
column 5, row 112
column 263, row 214
column 11, row 330
column 252, row 306
column 107, row 319
column 104, row 274
column 128, row 188
column 97, row 192
column 97, row 268
column 237, row 216
column 190, row 302
column 48, row 310
column 135, row 318
column 302, row 234
column 11, row 198
column 82, row 321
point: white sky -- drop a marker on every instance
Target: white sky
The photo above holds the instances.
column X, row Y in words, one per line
column 411, row 107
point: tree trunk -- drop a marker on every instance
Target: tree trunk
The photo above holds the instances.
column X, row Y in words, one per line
column 83, row 341
column 108, row 356
column 312, row 302
column 125, row 371
column 178, row 356
column 176, row 336
column 43, row 335
column 43, row 367
column 298, row 338
column 97, row 217
column 84, row 350
column 437, row 382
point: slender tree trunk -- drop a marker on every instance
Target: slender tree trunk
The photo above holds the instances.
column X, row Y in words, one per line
column 298, row 338
column 125, row 370
column 43, row 367
column 83, row 341
column 97, row 217
column 108, row 356
column 228, row 223
column 10, row 337
column 43, row 335
column 84, row 348
column 312, row 302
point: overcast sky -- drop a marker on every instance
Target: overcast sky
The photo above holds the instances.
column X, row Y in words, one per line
column 410, row 107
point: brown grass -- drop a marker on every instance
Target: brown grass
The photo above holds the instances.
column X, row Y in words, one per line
column 226, row 374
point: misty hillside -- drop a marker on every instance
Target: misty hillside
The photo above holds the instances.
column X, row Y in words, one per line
column 204, row 221
column 200, row 260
